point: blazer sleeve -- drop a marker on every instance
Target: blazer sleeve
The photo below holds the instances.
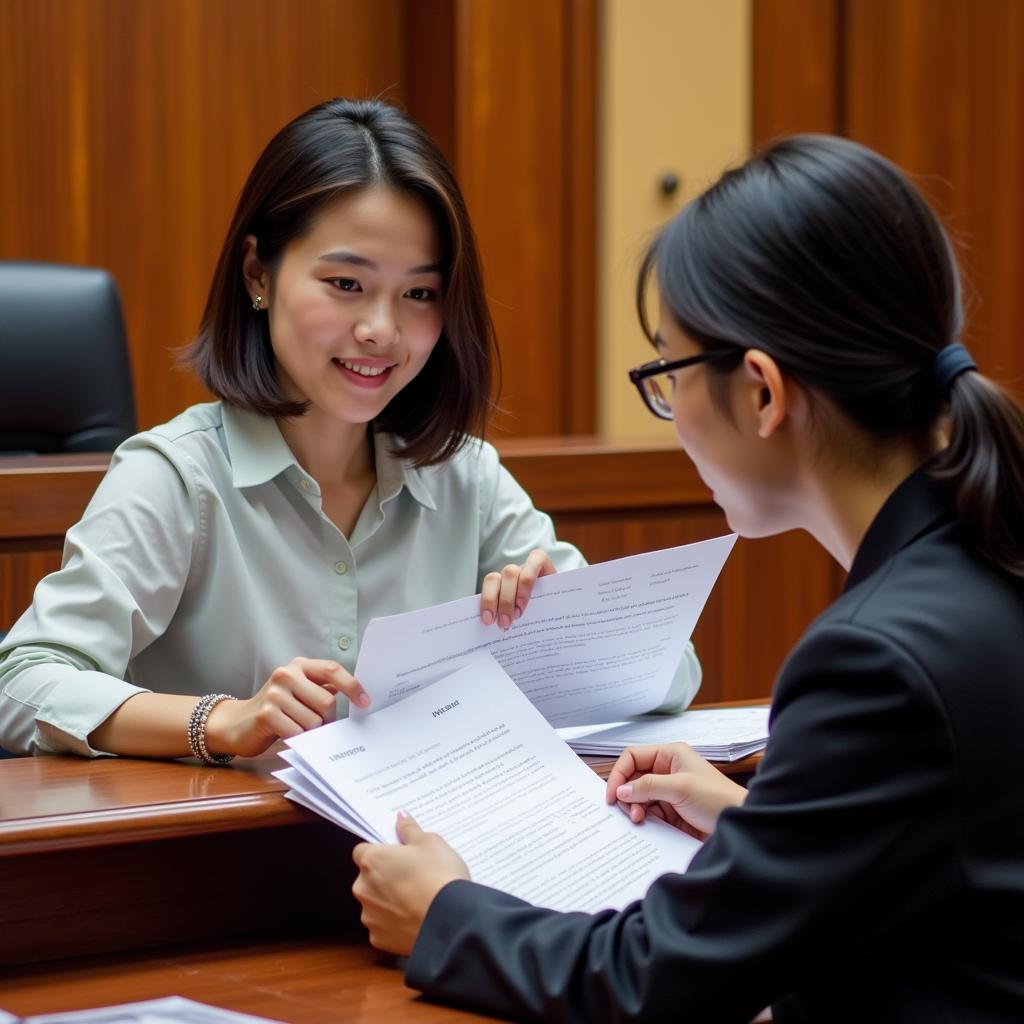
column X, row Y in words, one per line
column 843, row 840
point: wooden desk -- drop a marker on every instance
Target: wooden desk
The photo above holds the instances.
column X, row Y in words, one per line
column 300, row 981
column 123, row 880
column 114, row 854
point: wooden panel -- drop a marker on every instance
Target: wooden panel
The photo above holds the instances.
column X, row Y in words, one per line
column 938, row 86
column 129, row 128
column 768, row 593
column 796, row 67
column 524, row 124
column 19, row 574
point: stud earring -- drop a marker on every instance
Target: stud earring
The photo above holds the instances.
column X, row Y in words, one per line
column 257, row 303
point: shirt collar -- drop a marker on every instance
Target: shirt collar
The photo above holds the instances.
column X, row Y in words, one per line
column 259, row 453
column 394, row 473
column 257, row 450
column 918, row 505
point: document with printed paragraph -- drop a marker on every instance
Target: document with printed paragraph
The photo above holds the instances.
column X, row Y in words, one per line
column 470, row 757
column 595, row 645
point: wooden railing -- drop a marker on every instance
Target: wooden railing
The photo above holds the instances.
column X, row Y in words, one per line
column 609, row 498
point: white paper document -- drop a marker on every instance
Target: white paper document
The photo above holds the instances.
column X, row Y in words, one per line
column 718, row 734
column 170, row 1010
column 595, row 645
column 471, row 758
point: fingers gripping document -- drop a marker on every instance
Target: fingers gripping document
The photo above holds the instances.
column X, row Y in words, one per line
column 473, row 760
column 594, row 645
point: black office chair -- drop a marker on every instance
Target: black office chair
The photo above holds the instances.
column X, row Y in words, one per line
column 65, row 376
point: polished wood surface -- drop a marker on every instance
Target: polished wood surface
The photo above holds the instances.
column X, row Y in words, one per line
column 301, row 981
column 115, row 854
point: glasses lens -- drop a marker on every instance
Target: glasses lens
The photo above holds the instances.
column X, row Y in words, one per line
column 659, row 398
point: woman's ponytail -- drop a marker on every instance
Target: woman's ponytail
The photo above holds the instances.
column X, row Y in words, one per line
column 983, row 466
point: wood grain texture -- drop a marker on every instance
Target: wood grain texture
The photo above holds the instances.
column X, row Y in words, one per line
column 524, row 127
column 796, row 68
column 129, row 128
column 303, row 981
column 938, row 86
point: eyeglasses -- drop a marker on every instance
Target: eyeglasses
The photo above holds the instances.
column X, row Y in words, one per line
column 657, row 399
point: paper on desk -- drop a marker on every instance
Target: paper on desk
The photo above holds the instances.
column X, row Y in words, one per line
column 594, row 645
column 470, row 758
column 171, row 1010
column 719, row 734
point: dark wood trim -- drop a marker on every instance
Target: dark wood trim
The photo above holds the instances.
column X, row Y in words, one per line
column 42, row 496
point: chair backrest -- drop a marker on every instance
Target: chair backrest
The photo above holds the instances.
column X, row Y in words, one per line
column 65, row 376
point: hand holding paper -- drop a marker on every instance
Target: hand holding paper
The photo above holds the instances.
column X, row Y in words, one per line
column 397, row 884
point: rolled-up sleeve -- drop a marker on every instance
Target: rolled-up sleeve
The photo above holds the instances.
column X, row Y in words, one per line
column 63, row 665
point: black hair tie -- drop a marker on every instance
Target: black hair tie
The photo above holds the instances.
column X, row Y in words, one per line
column 948, row 364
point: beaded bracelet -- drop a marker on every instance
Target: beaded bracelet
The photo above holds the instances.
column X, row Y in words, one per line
column 197, row 729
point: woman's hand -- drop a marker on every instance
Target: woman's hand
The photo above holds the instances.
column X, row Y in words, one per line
column 673, row 782
column 505, row 595
column 397, row 884
column 297, row 697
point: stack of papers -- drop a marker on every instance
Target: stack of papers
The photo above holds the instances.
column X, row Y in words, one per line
column 718, row 734
column 470, row 758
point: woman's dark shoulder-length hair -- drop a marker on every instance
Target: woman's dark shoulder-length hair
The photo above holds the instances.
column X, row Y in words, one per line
column 337, row 147
column 823, row 254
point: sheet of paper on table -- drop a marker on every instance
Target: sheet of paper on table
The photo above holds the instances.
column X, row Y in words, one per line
column 469, row 757
column 719, row 734
column 170, row 1010
column 595, row 645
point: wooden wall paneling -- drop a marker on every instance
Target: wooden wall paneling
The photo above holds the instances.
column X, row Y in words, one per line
column 796, row 59
column 524, row 124
column 938, row 87
column 769, row 592
column 579, row 242
column 129, row 128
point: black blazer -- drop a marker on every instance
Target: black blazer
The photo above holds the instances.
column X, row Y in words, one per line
column 876, row 870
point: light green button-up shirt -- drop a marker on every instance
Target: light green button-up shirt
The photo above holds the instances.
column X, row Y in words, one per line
column 204, row 561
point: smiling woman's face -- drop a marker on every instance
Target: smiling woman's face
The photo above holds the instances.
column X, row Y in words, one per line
column 355, row 305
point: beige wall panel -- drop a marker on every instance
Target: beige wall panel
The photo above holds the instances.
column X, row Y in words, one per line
column 675, row 97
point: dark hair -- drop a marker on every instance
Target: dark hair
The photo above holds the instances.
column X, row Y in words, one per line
column 340, row 146
column 821, row 253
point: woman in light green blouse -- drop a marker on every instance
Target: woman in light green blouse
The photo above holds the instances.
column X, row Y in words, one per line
column 236, row 553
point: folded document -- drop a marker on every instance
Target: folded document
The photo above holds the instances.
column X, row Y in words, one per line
column 470, row 758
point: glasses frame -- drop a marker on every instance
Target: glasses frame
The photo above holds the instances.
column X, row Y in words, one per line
column 658, row 366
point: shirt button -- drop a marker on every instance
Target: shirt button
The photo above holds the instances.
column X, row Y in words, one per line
column 344, row 643
column 305, row 484
column 340, row 568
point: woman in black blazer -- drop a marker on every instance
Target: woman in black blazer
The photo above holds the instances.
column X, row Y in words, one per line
column 810, row 311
